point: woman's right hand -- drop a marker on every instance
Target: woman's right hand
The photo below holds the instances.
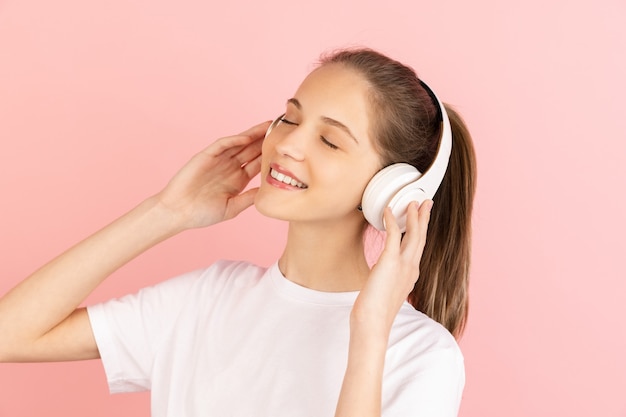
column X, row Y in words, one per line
column 208, row 189
column 40, row 319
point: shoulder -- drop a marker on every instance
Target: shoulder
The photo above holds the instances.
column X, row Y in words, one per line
column 219, row 276
column 220, row 271
column 414, row 327
column 228, row 268
column 420, row 342
column 228, row 272
column 193, row 285
column 424, row 367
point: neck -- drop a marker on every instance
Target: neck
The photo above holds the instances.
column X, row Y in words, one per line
column 325, row 258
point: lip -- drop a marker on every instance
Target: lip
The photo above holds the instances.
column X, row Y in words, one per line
column 274, row 182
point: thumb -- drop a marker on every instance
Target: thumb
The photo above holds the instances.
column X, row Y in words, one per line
column 240, row 202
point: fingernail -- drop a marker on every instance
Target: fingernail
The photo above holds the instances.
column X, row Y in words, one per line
column 430, row 205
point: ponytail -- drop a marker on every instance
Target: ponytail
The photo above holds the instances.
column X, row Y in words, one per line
column 442, row 289
column 407, row 130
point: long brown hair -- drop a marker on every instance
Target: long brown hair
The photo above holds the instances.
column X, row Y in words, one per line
column 406, row 129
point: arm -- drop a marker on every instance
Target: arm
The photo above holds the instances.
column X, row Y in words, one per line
column 375, row 309
column 39, row 318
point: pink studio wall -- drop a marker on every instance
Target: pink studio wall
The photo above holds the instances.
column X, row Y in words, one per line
column 101, row 102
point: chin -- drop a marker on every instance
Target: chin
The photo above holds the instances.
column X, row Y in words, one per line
column 267, row 207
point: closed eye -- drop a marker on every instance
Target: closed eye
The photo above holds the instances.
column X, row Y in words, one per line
column 327, row 143
column 323, row 139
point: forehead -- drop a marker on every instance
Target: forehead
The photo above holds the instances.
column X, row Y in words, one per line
column 337, row 92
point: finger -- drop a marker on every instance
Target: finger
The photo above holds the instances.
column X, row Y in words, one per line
column 417, row 227
column 257, row 131
column 424, row 216
column 394, row 236
column 252, row 147
column 253, row 167
column 411, row 238
column 228, row 146
column 234, row 144
column 239, row 203
column 249, row 152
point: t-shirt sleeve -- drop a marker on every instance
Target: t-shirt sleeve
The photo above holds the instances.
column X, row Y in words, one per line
column 424, row 369
column 129, row 330
column 435, row 390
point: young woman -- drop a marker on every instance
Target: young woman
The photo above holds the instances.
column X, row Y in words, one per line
column 318, row 333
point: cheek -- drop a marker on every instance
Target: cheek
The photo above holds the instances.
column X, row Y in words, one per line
column 346, row 188
column 265, row 146
column 266, row 151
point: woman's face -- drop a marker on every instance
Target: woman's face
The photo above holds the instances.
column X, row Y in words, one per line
column 318, row 160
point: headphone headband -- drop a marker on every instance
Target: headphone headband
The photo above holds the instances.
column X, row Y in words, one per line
column 434, row 98
column 431, row 179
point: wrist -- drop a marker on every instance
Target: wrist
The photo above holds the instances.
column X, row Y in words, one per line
column 164, row 222
column 370, row 326
column 368, row 341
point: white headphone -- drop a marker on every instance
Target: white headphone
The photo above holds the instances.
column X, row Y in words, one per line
column 399, row 184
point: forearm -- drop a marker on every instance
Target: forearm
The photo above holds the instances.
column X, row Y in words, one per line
column 53, row 292
column 361, row 392
column 207, row 190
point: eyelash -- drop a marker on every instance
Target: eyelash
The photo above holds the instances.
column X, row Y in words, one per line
column 324, row 141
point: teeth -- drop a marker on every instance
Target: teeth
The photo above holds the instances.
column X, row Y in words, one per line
column 286, row 179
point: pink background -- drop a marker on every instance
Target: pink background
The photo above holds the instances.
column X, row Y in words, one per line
column 102, row 101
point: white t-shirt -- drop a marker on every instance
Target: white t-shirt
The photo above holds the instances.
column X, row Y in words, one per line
column 237, row 339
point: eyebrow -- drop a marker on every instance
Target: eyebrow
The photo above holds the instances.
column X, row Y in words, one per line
column 326, row 120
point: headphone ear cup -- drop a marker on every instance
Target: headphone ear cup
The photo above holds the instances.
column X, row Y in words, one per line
column 400, row 203
column 383, row 189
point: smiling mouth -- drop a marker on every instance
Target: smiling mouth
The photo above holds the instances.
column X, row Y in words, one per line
column 286, row 179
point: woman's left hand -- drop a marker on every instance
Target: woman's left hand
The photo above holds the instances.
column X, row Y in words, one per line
column 395, row 274
column 387, row 287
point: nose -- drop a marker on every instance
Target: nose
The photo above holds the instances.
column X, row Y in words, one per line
column 290, row 142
